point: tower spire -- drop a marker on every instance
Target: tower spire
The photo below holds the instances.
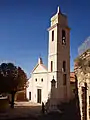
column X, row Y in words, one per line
column 40, row 60
column 58, row 9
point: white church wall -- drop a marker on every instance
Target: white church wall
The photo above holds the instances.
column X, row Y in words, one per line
column 29, row 88
column 53, row 44
column 54, row 59
column 39, row 84
column 36, row 82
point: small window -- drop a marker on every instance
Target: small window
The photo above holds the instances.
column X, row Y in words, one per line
column 36, row 79
column 64, row 79
column 63, row 37
column 42, row 80
column 51, row 66
column 53, row 35
column 29, row 95
column 64, row 66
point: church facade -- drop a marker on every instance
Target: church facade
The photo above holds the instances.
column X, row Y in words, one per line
column 40, row 84
column 37, row 90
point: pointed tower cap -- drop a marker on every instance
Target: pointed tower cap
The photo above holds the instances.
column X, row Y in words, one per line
column 58, row 9
column 40, row 60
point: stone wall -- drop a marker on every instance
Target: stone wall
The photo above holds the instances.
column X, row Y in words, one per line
column 82, row 71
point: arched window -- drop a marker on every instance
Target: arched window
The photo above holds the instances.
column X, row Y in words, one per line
column 36, row 79
column 64, row 66
column 63, row 37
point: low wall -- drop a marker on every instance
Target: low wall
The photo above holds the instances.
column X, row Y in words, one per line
column 4, row 103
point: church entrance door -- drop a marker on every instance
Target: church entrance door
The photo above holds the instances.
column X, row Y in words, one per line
column 38, row 95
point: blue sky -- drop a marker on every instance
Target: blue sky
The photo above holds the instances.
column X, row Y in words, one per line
column 23, row 29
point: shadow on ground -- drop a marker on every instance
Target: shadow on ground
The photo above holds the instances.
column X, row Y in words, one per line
column 69, row 112
column 29, row 111
column 21, row 111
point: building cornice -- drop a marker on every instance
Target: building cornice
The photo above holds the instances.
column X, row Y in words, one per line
column 52, row 27
column 57, row 24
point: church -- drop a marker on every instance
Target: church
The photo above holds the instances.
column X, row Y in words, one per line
column 53, row 82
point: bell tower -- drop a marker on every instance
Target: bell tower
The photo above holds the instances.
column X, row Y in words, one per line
column 59, row 55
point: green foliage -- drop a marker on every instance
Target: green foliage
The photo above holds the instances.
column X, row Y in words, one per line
column 12, row 78
column 22, row 79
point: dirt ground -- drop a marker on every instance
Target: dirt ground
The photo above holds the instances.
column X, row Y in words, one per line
column 32, row 111
column 22, row 111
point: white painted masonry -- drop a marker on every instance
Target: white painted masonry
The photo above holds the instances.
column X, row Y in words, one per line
column 39, row 73
column 58, row 52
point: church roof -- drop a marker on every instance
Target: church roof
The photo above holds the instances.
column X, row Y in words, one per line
column 40, row 67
